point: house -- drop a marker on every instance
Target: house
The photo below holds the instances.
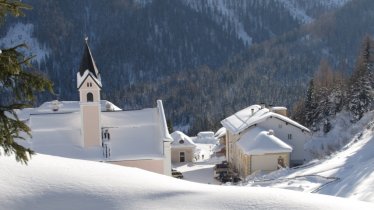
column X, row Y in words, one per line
column 95, row 129
column 206, row 137
column 263, row 139
column 183, row 149
column 260, row 150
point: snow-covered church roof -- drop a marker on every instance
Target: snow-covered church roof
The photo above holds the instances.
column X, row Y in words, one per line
column 258, row 142
column 181, row 140
column 253, row 115
column 71, row 106
column 133, row 134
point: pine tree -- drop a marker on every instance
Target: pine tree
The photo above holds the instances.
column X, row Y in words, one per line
column 310, row 104
column 19, row 83
column 169, row 123
column 361, row 84
column 324, row 98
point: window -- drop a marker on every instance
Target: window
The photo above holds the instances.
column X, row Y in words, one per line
column 181, row 141
column 289, row 136
column 182, row 157
column 89, row 97
column 280, row 126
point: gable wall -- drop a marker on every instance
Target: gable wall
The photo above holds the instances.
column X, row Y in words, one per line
column 175, row 154
column 95, row 90
column 281, row 130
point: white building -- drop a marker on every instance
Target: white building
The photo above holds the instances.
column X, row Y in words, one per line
column 183, row 149
column 93, row 129
column 259, row 138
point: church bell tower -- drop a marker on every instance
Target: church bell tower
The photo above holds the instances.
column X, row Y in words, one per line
column 89, row 87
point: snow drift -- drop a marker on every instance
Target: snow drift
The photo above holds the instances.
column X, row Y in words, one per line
column 50, row 182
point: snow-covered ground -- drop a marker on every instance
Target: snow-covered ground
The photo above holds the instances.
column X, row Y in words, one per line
column 347, row 173
column 50, row 182
column 200, row 171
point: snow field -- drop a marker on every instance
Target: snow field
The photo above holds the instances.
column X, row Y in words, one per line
column 50, row 182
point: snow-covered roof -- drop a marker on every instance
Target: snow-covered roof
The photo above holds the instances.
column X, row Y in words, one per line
column 205, row 134
column 63, row 107
column 280, row 108
column 221, row 132
column 71, row 106
column 258, row 142
column 252, row 115
column 82, row 78
column 133, row 134
column 181, row 140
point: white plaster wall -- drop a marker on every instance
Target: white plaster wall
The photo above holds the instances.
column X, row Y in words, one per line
column 90, row 114
column 267, row 162
column 91, row 125
column 167, row 159
column 188, row 154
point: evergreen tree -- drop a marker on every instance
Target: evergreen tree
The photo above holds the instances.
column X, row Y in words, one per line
column 324, row 98
column 19, row 83
column 361, row 84
column 310, row 104
column 170, row 125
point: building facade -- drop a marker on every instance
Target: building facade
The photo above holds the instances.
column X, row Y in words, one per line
column 285, row 137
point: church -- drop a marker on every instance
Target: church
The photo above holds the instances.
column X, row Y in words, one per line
column 97, row 130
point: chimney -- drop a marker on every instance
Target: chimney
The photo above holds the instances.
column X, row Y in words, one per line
column 271, row 107
column 262, row 105
column 270, row 132
column 252, row 111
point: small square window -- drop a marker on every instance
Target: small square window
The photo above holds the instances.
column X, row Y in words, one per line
column 280, row 126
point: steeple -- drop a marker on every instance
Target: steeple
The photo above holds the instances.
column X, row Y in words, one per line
column 89, row 86
column 88, row 62
column 88, row 68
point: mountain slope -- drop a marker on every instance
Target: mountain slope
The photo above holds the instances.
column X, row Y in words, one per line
column 192, row 54
column 57, row 183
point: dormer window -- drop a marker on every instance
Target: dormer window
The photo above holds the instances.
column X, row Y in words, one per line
column 89, row 97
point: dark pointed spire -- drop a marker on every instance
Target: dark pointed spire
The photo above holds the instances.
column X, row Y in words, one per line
column 88, row 62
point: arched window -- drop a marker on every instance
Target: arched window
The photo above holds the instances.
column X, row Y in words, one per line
column 89, row 97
